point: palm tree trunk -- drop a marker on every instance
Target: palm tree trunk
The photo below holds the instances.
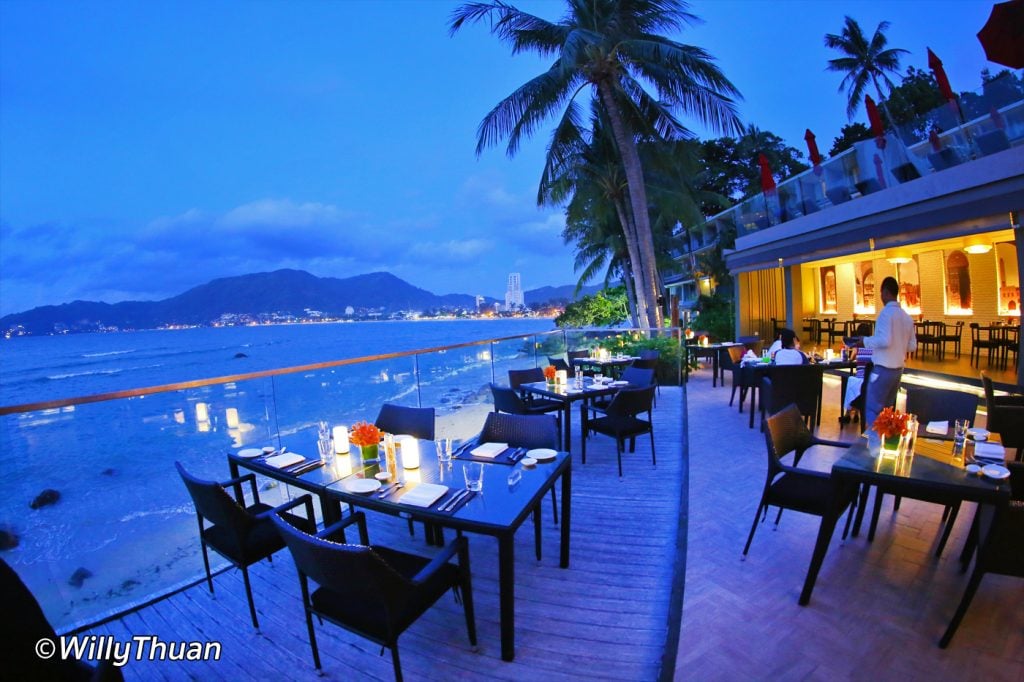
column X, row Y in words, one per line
column 634, row 296
column 627, row 280
column 646, row 267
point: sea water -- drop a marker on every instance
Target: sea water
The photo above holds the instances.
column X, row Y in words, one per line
column 123, row 528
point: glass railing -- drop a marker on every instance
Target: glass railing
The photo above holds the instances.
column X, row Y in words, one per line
column 118, row 529
column 987, row 121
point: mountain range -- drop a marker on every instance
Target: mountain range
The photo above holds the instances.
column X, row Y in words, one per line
column 281, row 293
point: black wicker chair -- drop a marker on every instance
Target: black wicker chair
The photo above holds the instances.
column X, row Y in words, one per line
column 742, row 379
column 997, row 535
column 559, row 362
column 374, row 591
column 241, row 534
column 417, row 422
column 786, row 384
column 507, row 400
column 1005, row 416
column 787, row 486
column 23, row 625
column 621, row 421
column 518, row 377
column 574, row 354
column 637, row 378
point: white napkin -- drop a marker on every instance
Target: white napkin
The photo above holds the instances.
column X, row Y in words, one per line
column 749, row 355
column 424, row 495
column 937, row 427
column 987, row 450
column 489, row 450
column 285, row 460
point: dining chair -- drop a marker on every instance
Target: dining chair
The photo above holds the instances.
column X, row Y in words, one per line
column 645, row 363
column 1005, row 416
column 982, row 340
column 836, row 330
column 417, row 422
column 635, row 376
column 789, row 486
column 1010, row 345
column 508, row 400
column 525, row 431
column 559, row 362
column 932, row 405
column 952, row 334
column 621, row 421
column 582, row 353
column 733, row 361
column 518, row 377
column 929, row 334
column 241, row 534
column 799, row 384
column 372, row 590
column 997, row 533
column 23, row 625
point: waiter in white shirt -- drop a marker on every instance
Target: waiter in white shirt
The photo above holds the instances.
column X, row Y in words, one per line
column 894, row 337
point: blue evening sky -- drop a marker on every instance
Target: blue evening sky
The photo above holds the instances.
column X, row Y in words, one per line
column 148, row 147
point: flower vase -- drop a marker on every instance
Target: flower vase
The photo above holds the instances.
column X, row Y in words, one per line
column 890, row 447
column 370, row 453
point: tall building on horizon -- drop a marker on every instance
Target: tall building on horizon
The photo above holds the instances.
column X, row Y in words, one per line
column 514, row 292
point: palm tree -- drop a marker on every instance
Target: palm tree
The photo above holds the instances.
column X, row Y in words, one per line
column 609, row 49
column 863, row 61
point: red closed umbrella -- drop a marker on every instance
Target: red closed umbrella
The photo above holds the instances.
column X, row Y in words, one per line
column 997, row 118
column 877, row 127
column 1002, row 36
column 935, row 64
column 812, row 148
column 767, row 181
column 933, row 137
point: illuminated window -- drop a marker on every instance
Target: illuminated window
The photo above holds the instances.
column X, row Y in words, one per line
column 909, row 276
column 864, row 292
column 829, row 296
column 958, row 284
column 1009, row 279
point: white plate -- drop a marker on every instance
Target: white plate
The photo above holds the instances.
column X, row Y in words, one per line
column 361, row 485
column 249, row 453
column 528, row 461
column 996, row 472
column 978, row 434
column 542, row 454
column 973, row 469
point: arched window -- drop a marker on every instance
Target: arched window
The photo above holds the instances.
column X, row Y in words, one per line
column 958, row 283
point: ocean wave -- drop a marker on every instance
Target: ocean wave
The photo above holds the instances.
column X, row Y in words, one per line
column 165, row 511
column 112, row 352
column 72, row 375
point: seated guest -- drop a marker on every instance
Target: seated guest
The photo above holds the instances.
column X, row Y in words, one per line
column 789, row 353
column 776, row 345
column 854, row 383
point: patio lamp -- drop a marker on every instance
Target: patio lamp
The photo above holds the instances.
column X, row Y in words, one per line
column 976, row 245
column 898, row 257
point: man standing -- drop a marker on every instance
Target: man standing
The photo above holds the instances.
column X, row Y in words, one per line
column 894, row 337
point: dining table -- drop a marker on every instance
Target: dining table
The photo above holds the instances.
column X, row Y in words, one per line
column 609, row 366
column 933, row 468
column 511, row 493
column 714, row 352
column 569, row 393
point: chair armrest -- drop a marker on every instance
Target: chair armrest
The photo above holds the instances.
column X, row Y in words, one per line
column 830, row 443
column 805, row 473
column 335, row 528
column 1008, row 401
column 439, row 560
column 306, row 499
column 240, row 479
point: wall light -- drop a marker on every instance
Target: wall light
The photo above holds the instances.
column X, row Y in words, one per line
column 898, row 257
column 976, row 245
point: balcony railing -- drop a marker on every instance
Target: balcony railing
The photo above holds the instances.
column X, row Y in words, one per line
column 123, row 531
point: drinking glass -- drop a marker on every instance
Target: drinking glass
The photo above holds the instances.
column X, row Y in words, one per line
column 474, row 474
column 444, row 449
column 598, row 378
column 960, row 427
column 326, row 449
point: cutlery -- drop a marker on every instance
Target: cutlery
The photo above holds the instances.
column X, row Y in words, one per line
column 308, row 466
column 517, row 455
column 390, row 489
column 450, row 504
column 468, row 494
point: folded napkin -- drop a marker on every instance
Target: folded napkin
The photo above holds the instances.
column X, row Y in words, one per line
column 424, row 495
column 986, row 450
column 749, row 355
column 489, row 449
column 282, row 461
column 937, row 427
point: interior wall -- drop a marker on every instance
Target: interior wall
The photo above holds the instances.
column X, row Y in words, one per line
column 761, row 299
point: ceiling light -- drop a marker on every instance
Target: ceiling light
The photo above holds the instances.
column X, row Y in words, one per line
column 975, row 245
column 898, row 257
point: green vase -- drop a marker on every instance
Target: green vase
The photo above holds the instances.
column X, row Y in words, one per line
column 370, row 453
column 891, row 446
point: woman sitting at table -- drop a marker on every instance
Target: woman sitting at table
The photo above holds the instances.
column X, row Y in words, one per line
column 854, row 383
column 789, row 353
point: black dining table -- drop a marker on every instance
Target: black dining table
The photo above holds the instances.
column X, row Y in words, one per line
column 610, row 366
column 511, row 493
column 568, row 394
column 713, row 351
column 932, row 469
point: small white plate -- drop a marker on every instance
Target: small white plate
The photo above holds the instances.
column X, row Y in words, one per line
column 973, row 469
column 361, row 485
column 269, row 450
column 249, row 453
column 382, row 475
column 620, row 383
column 542, row 454
column 528, row 462
column 995, row 472
column 978, row 434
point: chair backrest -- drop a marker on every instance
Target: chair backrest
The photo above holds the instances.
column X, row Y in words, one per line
column 800, row 384
column 521, row 430
column 734, row 357
column 414, row 421
column 629, row 402
column 213, row 503
column 558, row 362
column 518, row 377
column 507, row 400
column 644, row 363
column 934, row 404
column 337, row 567
column 786, row 432
column 990, row 394
column 638, row 376
column 584, row 353
column 650, row 354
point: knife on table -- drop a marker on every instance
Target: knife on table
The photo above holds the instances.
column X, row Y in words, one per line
column 309, row 466
column 450, row 504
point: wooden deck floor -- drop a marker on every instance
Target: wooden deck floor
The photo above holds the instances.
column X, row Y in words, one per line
column 877, row 610
column 606, row 617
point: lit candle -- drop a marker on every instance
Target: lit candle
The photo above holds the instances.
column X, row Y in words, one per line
column 410, row 452
column 202, row 412
column 561, row 376
column 231, row 415
column 340, row 439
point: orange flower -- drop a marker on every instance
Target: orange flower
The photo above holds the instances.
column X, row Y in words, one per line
column 890, row 423
column 549, row 372
column 364, row 433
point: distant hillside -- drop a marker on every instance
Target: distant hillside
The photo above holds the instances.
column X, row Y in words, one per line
column 282, row 293
column 562, row 293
